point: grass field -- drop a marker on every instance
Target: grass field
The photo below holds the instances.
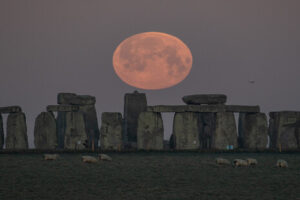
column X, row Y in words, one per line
column 148, row 175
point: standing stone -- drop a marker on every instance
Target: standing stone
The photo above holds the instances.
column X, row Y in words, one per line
column 16, row 131
column 150, row 132
column 253, row 131
column 225, row 134
column 91, row 124
column 135, row 103
column 61, row 129
column 207, row 125
column 186, row 131
column 45, row 136
column 1, row 133
column 283, row 134
column 111, row 131
column 75, row 132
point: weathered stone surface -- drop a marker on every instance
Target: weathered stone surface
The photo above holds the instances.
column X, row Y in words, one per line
column 253, row 131
column 45, row 136
column 207, row 126
column 61, row 129
column 203, row 108
column 111, row 131
column 1, row 133
column 134, row 104
column 283, row 133
column 186, row 131
column 199, row 99
column 225, row 133
column 91, row 124
column 75, row 132
column 62, row 108
column 16, row 131
column 242, row 109
column 10, row 109
column 150, row 131
column 74, row 99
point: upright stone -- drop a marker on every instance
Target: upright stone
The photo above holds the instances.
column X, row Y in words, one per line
column 253, row 131
column 224, row 136
column 186, row 131
column 207, row 125
column 111, row 131
column 16, row 131
column 150, row 131
column 61, row 129
column 45, row 136
column 283, row 134
column 1, row 133
column 75, row 132
column 91, row 124
column 135, row 103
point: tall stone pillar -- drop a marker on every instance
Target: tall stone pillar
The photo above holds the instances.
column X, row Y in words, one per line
column 75, row 132
column 186, row 130
column 134, row 104
column 111, row 131
column 1, row 133
column 253, row 131
column 45, row 136
column 150, row 131
column 284, row 135
column 61, row 129
column 224, row 136
column 16, row 131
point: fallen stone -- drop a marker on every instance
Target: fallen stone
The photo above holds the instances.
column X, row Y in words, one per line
column 10, row 109
column 89, row 159
column 73, row 99
column 1, row 133
column 45, row 136
column 62, row 108
column 199, row 99
column 134, row 104
column 75, row 132
column 253, row 131
column 16, row 131
column 91, row 125
column 111, row 131
column 224, row 136
column 186, row 131
column 104, row 157
column 284, row 135
column 150, row 131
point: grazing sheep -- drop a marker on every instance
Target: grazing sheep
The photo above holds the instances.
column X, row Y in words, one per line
column 282, row 164
column 104, row 157
column 251, row 161
column 50, row 156
column 222, row 161
column 240, row 163
column 89, row 159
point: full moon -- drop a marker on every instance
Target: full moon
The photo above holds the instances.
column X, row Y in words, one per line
column 152, row 60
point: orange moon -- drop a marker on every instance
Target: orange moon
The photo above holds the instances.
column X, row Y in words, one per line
column 152, row 60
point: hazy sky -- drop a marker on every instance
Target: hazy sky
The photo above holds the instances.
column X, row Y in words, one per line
column 55, row 46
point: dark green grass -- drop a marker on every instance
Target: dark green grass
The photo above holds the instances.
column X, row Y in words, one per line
column 148, row 175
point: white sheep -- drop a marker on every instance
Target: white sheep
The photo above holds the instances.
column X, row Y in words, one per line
column 240, row 163
column 89, row 159
column 222, row 161
column 251, row 161
column 50, row 156
column 282, row 164
column 105, row 157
